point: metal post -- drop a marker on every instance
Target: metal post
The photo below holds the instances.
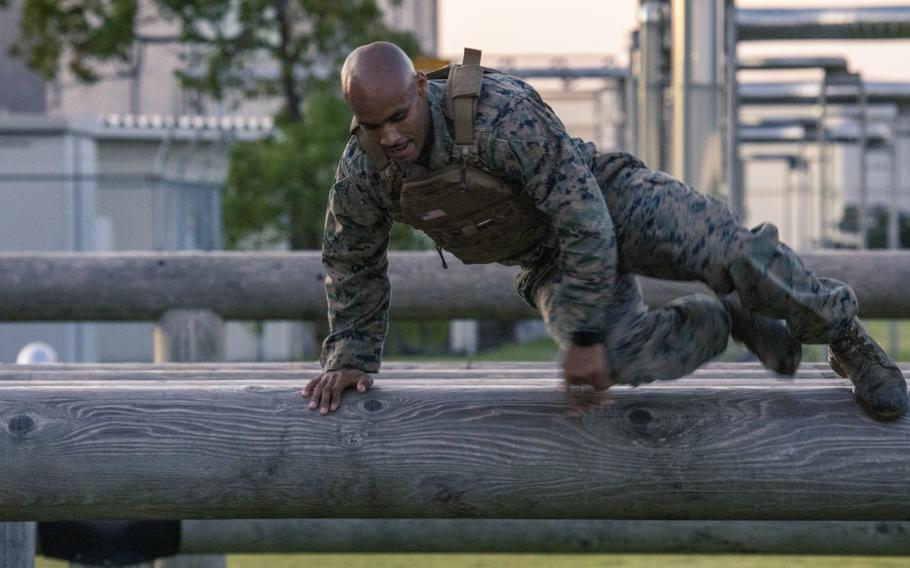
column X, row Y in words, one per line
column 863, row 166
column 893, row 228
column 733, row 163
column 698, row 98
column 788, row 199
column 652, row 19
column 822, row 178
column 632, row 126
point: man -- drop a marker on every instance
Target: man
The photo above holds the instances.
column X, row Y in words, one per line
column 483, row 166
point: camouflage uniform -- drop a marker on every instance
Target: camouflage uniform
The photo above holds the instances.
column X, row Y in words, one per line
column 611, row 217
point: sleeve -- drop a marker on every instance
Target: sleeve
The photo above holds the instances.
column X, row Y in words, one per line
column 531, row 146
column 357, row 286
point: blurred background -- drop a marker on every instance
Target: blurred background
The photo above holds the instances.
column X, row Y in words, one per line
column 217, row 124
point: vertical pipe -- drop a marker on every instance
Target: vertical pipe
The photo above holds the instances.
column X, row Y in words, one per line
column 732, row 163
column 698, row 99
column 893, row 228
column 863, row 166
column 631, row 108
column 822, row 178
column 681, row 81
column 788, row 200
column 651, row 19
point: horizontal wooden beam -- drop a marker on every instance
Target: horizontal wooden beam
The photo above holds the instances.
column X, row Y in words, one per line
column 284, row 536
column 242, row 286
column 719, row 445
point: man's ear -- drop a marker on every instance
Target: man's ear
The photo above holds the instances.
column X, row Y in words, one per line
column 421, row 79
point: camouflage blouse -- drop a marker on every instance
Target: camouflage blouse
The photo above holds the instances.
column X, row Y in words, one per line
column 517, row 138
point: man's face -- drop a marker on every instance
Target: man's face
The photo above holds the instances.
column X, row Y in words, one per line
column 397, row 118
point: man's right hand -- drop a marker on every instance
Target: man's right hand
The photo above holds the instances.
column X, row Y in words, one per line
column 327, row 388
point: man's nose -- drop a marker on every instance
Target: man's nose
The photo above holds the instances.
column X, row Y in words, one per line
column 389, row 135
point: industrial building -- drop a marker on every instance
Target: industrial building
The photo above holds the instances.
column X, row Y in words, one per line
column 126, row 165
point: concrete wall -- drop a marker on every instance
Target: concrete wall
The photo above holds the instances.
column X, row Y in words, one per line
column 47, row 203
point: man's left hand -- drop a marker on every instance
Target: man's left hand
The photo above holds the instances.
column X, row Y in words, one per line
column 586, row 366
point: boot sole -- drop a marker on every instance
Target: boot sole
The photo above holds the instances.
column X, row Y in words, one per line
column 877, row 414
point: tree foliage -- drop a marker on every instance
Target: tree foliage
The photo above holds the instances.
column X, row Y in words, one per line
column 233, row 50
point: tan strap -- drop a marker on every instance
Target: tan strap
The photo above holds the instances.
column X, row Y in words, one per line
column 462, row 91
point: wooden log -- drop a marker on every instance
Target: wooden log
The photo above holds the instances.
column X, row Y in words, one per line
column 698, row 448
column 285, row 536
column 465, row 373
column 142, row 286
column 17, row 545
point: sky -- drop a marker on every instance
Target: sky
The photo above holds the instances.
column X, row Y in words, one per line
column 601, row 27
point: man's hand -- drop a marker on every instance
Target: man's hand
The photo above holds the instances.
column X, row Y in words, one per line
column 586, row 366
column 328, row 387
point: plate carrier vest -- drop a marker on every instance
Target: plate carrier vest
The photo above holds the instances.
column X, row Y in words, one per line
column 475, row 215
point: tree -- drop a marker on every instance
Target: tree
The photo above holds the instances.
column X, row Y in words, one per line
column 233, row 50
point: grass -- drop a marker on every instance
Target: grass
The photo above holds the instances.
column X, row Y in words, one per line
column 545, row 561
column 544, row 350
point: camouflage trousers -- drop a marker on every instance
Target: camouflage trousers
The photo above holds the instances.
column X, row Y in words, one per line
column 665, row 229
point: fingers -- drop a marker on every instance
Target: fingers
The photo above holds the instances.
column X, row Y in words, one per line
column 364, row 384
column 326, row 390
column 581, row 399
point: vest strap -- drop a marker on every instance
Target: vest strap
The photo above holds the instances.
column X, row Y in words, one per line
column 462, row 91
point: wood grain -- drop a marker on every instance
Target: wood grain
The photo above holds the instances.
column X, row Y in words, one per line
column 142, row 286
column 276, row 536
column 698, row 448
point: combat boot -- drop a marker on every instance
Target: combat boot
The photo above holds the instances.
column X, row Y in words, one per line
column 767, row 338
column 878, row 385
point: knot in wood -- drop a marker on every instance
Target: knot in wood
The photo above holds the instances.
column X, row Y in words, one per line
column 20, row 425
column 640, row 417
column 352, row 440
column 373, row 405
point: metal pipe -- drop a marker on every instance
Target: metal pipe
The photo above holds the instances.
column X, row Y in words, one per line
column 768, row 63
column 733, row 163
column 893, row 233
column 632, row 127
column 795, row 93
column 821, row 175
column 652, row 18
column 783, row 133
column 885, row 22
column 697, row 86
column 568, row 73
column 863, row 167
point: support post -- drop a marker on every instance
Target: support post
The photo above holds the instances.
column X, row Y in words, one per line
column 190, row 336
column 17, row 545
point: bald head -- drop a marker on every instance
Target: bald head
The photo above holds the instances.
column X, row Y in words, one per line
column 377, row 69
column 388, row 99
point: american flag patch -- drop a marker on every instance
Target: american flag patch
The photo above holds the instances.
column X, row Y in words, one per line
column 434, row 214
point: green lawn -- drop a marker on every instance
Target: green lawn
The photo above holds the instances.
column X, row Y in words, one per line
column 545, row 349
column 545, row 561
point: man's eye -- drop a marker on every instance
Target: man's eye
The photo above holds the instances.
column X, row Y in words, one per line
column 368, row 126
column 399, row 117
